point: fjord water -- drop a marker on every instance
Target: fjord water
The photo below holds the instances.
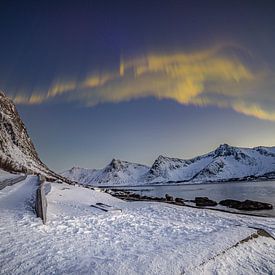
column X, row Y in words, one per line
column 263, row 191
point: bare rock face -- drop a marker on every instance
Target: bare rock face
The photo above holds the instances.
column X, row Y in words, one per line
column 17, row 152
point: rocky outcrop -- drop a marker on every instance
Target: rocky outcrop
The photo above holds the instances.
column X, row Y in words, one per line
column 247, row 205
column 204, row 201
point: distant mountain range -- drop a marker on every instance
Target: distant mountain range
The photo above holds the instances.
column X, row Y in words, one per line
column 226, row 163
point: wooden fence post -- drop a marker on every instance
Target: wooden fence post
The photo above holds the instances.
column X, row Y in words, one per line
column 41, row 201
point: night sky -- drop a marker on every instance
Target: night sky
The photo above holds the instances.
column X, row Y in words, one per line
column 96, row 80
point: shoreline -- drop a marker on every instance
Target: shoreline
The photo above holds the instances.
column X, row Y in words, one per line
column 176, row 184
column 128, row 198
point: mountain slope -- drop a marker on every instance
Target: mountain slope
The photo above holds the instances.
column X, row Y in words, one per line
column 229, row 163
column 83, row 175
column 223, row 164
column 17, row 152
column 166, row 169
column 117, row 172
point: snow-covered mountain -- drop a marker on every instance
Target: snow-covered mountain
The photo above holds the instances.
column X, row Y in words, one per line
column 83, row 175
column 223, row 164
column 117, row 172
column 17, row 152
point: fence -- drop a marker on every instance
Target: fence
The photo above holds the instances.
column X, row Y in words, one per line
column 41, row 201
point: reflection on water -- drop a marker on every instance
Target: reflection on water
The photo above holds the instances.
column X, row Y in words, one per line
column 260, row 191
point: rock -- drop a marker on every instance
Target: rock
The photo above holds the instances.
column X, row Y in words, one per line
column 255, row 205
column 134, row 195
column 247, row 205
column 179, row 200
column 230, row 203
column 168, row 197
column 204, row 201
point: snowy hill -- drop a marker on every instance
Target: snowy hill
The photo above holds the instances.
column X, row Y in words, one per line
column 120, row 172
column 79, row 174
column 17, row 152
column 117, row 172
column 223, row 164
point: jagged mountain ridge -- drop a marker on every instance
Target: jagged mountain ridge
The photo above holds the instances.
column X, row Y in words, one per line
column 116, row 172
column 17, row 152
column 223, row 164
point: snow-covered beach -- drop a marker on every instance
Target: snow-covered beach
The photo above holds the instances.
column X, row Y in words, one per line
column 144, row 238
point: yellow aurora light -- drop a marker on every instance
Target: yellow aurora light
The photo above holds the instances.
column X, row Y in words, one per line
column 207, row 77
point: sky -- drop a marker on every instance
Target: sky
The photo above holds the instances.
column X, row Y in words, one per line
column 97, row 80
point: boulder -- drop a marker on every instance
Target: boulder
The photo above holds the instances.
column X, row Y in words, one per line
column 204, row 201
column 179, row 201
column 169, row 198
column 247, row 205
column 255, row 205
column 231, row 203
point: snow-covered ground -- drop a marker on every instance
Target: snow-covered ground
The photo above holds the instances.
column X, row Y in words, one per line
column 145, row 238
column 6, row 175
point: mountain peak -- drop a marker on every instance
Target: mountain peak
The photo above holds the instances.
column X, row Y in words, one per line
column 161, row 157
column 116, row 165
column 225, row 146
column 225, row 150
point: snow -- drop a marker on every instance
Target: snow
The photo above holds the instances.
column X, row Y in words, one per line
column 117, row 172
column 145, row 238
column 83, row 175
column 5, row 175
column 255, row 257
column 223, row 164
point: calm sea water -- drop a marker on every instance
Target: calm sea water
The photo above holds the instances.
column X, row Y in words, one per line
column 260, row 191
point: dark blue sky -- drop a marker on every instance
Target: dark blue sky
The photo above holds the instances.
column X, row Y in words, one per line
column 95, row 80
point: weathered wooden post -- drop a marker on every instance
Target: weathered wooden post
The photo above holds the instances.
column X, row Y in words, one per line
column 41, row 201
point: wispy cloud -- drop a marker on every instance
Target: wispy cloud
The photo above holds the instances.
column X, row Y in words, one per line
column 216, row 76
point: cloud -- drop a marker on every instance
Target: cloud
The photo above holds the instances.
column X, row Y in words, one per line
column 254, row 110
column 217, row 76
